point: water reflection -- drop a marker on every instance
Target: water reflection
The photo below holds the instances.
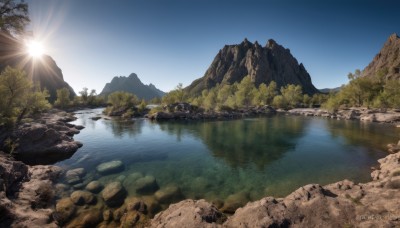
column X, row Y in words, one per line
column 257, row 141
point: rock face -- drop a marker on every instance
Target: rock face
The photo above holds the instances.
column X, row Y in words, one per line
column 132, row 84
column 46, row 140
column 387, row 61
column 45, row 72
column 263, row 64
column 26, row 193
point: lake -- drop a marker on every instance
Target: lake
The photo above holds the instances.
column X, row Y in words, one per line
column 215, row 159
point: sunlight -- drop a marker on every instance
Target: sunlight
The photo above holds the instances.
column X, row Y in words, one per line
column 35, row 48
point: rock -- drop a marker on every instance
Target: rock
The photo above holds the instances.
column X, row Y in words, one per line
column 114, row 194
column 189, row 213
column 133, row 219
column 82, row 198
column 80, row 172
column 94, row 186
column 95, row 118
column 121, row 178
column 136, row 204
column 387, row 59
column 87, row 219
column 12, row 173
column 132, row 84
column 146, row 185
column 110, row 167
column 235, row 201
column 168, row 194
column 107, row 215
column 152, row 204
column 272, row 62
column 130, row 180
column 65, row 209
column 46, row 141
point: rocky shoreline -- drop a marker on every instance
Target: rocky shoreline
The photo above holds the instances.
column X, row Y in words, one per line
column 28, row 194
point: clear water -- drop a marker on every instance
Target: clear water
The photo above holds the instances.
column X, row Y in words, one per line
column 214, row 159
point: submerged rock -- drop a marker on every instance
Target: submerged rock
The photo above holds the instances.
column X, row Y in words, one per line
column 65, row 209
column 87, row 219
column 146, row 185
column 235, row 201
column 110, row 167
column 82, row 197
column 168, row 194
column 114, row 194
column 94, row 186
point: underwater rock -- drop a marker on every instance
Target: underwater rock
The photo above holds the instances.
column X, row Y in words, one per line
column 94, row 186
column 130, row 180
column 88, row 219
column 65, row 209
column 168, row 194
column 136, row 204
column 133, row 219
column 110, row 167
column 146, row 185
column 82, row 197
column 114, row 194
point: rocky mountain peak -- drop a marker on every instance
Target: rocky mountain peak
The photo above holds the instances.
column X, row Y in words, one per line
column 263, row 64
column 132, row 84
column 387, row 61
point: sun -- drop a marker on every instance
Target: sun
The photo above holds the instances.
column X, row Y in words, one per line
column 35, row 48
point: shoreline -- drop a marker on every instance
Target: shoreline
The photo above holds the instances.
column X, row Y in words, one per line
column 343, row 193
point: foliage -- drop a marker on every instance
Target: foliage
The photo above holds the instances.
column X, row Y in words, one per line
column 13, row 16
column 377, row 92
column 292, row 95
column 176, row 95
column 123, row 103
column 63, row 98
column 19, row 97
column 89, row 99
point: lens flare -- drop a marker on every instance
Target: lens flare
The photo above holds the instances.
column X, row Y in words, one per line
column 35, row 48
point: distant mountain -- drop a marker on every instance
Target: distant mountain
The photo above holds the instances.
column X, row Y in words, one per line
column 328, row 90
column 43, row 71
column 132, row 84
column 264, row 64
column 387, row 61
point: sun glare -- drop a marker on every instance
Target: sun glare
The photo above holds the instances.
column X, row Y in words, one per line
column 35, row 48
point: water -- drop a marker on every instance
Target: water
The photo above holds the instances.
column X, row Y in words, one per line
column 214, row 159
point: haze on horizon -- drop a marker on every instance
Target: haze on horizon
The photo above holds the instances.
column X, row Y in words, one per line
column 174, row 41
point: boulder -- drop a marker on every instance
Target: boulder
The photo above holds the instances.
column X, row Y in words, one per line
column 235, row 201
column 74, row 176
column 114, row 194
column 146, row 185
column 189, row 213
column 82, row 197
column 12, row 173
column 88, row 218
column 130, row 180
column 94, row 186
column 136, row 204
column 110, row 167
column 133, row 219
column 65, row 209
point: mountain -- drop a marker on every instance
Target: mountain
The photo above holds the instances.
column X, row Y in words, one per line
column 132, row 84
column 328, row 90
column 43, row 70
column 387, row 61
column 264, row 64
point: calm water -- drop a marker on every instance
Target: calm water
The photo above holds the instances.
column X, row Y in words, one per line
column 211, row 160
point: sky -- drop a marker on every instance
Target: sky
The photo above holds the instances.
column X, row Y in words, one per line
column 166, row 42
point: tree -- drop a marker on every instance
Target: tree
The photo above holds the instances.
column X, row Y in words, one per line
column 292, row 94
column 63, row 100
column 84, row 95
column 13, row 17
column 267, row 93
column 243, row 94
column 19, row 97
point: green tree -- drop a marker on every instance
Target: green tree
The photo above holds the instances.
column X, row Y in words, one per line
column 292, row 94
column 279, row 102
column 63, row 100
column 84, row 95
column 19, row 97
column 268, row 93
column 13, row 17
column 243, row 94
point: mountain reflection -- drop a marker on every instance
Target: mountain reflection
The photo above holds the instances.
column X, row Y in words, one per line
column 244, row 142
column 121, row 127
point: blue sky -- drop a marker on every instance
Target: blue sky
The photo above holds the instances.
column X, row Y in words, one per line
column 167, row 42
